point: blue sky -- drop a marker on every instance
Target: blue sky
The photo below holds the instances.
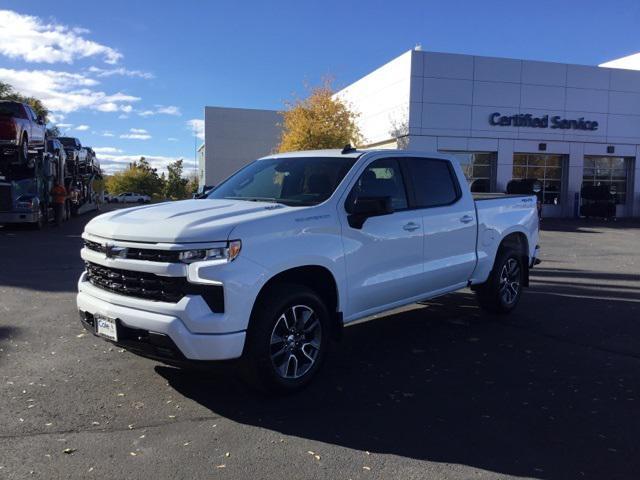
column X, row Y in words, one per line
column 129, row 77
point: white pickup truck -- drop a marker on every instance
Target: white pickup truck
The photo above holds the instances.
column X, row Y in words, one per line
column 270, row 266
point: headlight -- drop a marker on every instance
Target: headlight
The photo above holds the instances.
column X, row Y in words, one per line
column 28, row 203
column 228, row 253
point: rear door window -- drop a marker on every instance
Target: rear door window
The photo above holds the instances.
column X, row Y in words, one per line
column 434, row 182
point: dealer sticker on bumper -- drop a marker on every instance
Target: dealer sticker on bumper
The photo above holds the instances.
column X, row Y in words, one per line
column 106, row 327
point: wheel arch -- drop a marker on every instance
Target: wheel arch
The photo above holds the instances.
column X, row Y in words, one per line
column 519, row 242
column 315, row 277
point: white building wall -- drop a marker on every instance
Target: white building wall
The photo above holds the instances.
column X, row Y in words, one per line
column 235, row 137
column 381, row 100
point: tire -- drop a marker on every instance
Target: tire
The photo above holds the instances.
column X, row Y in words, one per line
column 503, row 289
column 141, row 200
column 39, row 225
column 23, row 151
column 287, row 339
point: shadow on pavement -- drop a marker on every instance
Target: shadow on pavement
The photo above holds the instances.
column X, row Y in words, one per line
column 583, row 225
column 47, row 260
column 7, row 334
column 522, row 395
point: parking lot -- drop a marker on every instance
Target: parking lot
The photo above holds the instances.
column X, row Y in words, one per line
column 438, row 390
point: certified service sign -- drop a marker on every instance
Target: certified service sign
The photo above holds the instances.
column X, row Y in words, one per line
column 554, row 122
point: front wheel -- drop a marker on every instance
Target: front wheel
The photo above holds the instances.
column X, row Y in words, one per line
column 503, row 289
column 287, row 340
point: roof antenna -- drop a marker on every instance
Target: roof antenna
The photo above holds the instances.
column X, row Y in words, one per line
column 348, row 149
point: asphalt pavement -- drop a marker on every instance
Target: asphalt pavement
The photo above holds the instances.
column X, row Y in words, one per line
column 440, row 390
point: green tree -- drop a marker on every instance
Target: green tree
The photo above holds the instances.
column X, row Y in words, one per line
column 192, row 184
column 175, row 186
column 139, row 177
column 317, row 122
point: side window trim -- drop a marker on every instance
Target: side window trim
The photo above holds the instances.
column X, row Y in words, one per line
column 452, row 175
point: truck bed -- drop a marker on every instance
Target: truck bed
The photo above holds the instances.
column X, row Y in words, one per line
column 495, row 195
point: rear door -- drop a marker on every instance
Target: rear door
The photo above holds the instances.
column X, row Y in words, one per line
column 449, row 218
column 384, row 258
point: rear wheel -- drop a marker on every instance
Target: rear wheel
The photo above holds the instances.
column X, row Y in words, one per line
column 287, row 340
column 502, row 290
column 23, row 151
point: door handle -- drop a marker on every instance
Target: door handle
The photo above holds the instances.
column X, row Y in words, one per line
column 466, row 219
column 411, row 226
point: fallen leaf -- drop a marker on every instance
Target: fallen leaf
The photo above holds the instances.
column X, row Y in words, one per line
column 133, row 454
column 227, row 454
column 69, row 451
column 221, row 466
column 366, row 468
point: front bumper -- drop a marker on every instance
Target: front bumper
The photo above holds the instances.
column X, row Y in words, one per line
column 142, row 330
column 19, row 217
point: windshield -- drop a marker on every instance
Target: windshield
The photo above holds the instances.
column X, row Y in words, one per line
column 291, row 181
column 28, row 186
column 68, row 141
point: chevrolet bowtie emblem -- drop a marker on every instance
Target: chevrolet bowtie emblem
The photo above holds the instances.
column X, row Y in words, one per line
column 111, row 251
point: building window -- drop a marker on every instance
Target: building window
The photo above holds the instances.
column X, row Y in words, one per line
column 478, row 168
column 610, row 171
column 547, row 169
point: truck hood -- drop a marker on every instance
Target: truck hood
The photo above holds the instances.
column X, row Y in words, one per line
column 185, row 221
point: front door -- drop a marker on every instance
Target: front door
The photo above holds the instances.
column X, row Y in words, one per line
column 384, row 258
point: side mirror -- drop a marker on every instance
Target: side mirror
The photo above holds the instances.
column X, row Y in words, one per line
column 361, row 208
column 40, row 120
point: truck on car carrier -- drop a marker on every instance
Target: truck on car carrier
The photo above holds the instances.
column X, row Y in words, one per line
column 29, row 170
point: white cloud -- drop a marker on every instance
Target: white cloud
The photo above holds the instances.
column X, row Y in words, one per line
column 111, row 163
column 56, row 117
column 108, row 134
column 161, row 109
column 172, row 139
column 169, row 110
column 630, row 62
column 196, row 125
column 107, row 150
column 64, row 125
column 65, row 92
column 82, row 128
column 29, row 38
column 108, row 72
column 136, row 134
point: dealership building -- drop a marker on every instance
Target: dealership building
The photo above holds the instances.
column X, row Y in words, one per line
column 565, row 125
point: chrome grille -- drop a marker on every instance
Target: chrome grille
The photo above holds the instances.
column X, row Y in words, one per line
column 147, row 254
